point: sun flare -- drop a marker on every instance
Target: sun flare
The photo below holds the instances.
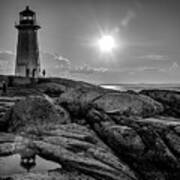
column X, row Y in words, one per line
column 106, row 43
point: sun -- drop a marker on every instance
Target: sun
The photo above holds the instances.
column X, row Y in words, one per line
column 106, row 43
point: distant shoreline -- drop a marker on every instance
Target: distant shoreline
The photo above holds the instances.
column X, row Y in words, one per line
column 139, row 87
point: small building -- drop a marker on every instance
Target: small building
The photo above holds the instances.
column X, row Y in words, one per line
column 27, row 57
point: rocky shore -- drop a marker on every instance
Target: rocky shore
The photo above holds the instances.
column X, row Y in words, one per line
column 93, row 133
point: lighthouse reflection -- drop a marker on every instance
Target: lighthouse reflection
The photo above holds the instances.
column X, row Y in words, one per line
column 28, row 162
column 19, row 164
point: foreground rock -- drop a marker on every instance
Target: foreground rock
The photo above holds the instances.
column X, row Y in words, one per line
column 94, row 133
column 58, row 174
column 149, row 146
column 74, row 147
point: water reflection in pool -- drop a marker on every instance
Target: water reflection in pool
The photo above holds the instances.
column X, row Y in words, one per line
column 13, row 164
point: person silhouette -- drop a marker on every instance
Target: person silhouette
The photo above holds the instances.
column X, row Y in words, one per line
column 44, row 72
column 4, row 87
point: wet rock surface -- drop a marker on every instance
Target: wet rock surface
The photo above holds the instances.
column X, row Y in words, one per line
column 51, row 175
column 94, row 133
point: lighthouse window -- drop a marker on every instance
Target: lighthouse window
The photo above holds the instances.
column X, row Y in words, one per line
column 24, row 18
column 27, row 18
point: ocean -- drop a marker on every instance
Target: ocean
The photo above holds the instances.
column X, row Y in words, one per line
column 139, row 87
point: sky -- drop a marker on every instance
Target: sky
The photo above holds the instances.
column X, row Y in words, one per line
column 146, row 33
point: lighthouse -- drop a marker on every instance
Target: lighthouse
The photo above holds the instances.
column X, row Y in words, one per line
column 27, row 56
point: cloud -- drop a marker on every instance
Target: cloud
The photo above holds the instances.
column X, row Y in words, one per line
column 54, row 64
column 173, row 67
column 155, row 57
column 7, row 62
column 141, row 69
column 86, row 69
column 57, row 65
column 6, row 55
column 135, row 69
column 128, row 18
column 63, row 63
column 62, row 59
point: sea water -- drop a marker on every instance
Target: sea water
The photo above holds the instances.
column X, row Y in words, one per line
column 139, row 87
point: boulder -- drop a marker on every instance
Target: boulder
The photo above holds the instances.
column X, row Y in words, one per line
column 144, row 144
column 7, row 145
column 13, row 143
column 168, row 98
column 77, row 100
column 128, row 104
column 76, row 147
column 173, row 141
column 35, row 113
column 52, row 89
column 122, row 103
column 7, row 149
column 125, row 139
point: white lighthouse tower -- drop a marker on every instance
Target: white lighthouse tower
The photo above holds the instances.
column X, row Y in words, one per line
column 27, row 57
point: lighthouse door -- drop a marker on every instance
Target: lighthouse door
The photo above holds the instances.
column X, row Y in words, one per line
column 27, row 72
column 33, row 73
